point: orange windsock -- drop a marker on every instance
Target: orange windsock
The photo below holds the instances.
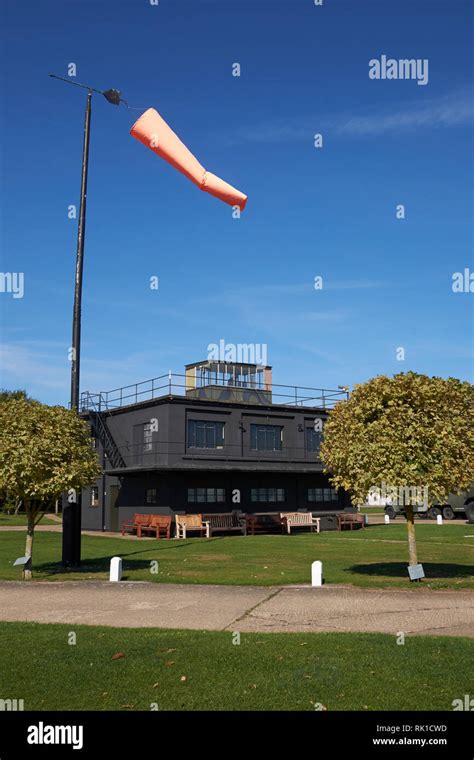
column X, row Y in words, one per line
column 154, row 132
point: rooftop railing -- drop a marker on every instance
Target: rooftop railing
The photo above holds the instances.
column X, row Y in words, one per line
column 173, row 384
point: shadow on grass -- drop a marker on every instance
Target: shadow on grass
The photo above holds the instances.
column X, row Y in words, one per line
column 88, row 566
column 102, row 564
column 400, row 570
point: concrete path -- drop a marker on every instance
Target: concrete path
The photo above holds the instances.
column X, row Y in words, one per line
column 45, row 528
column 240, row 608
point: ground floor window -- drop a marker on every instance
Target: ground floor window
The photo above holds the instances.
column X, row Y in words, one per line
column 206, row 495
column 94, row 496
column 151, row 496
column 322, row 494
column 268, row 494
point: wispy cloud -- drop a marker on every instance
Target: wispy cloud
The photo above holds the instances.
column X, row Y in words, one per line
column 353, row 284
column 452, row 110
column 329, row 315
column 43, row 369
column 24, row 364
column 238, row 295
column 257, row 309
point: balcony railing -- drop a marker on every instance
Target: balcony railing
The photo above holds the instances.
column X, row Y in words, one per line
column 177, row 453
column 173, row 384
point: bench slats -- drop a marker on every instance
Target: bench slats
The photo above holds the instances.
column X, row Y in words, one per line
column 349, row 518
column 190, row 522
column 300, row 520
column 226, row 522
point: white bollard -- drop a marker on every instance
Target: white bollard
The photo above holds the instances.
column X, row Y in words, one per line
column 439, row 519
column 366, row 520
column 317, row 573
column 115, row 569
column 387, row 519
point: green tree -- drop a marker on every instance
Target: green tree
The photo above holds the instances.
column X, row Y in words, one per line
column 413, row 432
column 10, row 395
column 8, row 504
column 44, row 451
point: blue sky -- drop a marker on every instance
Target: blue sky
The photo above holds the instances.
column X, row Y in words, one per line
column 330, row 212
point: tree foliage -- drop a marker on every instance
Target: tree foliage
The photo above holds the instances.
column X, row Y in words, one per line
column 44, row 451
column 6, row 395
column 7, row 503
column 408, row 431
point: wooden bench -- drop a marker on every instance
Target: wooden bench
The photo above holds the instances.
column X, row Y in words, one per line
column 300, row 520
column 138, row 521
column 157, row 524
column 187, row 523
column 352, row 519
column 263, row 522
column 226, row 521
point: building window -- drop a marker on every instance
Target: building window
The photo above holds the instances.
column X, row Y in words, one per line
column 313, row 440
column 268, row 495
column 151, row 496
column 94, row 496
column 205, row 435
column 143, row 439
column 266, row 437
column 206, row 495
column 147, row 437
column 323, row 494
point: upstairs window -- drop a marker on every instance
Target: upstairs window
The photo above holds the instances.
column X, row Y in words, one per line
column 266, row 437
column 143, row 438
column 147, row 437
column 313, row 440
column 205, row 435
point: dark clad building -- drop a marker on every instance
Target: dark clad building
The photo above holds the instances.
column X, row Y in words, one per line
column 221, row 437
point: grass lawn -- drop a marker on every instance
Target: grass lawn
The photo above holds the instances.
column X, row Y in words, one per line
column 375, row 556
column 21, row 519
column 193, row 670
column 371, row 511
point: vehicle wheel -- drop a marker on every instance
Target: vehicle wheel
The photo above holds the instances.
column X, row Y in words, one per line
column 470, row 512
column 390, row 511
column 448, row 513
column 433, row 513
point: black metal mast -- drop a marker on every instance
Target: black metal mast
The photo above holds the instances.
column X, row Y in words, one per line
column 71, row 543
column 81, row 229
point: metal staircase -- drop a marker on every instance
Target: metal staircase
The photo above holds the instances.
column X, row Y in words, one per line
column 102, row 432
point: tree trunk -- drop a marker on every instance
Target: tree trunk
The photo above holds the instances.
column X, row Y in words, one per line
column 30, row 532
column 411, row 535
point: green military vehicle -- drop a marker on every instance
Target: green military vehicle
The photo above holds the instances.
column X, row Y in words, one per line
column 456, row 505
